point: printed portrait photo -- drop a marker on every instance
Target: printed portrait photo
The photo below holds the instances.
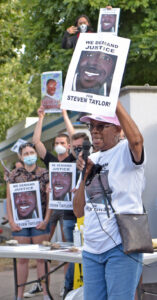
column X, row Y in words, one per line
column 61, row 185
column 108, row 22
column 25, row 205
column 95, row 190
column 51, row 90
column 94, row 73
column 49, row 101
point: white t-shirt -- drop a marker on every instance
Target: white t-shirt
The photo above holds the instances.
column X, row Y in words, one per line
column 123, row 181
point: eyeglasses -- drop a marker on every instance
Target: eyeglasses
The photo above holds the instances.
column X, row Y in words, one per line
column 26, row 145
column 99, row 127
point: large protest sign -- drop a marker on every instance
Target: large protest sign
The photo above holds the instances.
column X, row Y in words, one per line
column 108, row 20
column 95, row 73
column 62, row 180
column 51, row 91
column 26, row 203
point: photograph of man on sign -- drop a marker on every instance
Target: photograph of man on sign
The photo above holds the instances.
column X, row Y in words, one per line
column 26, row 205
column 94, row 73
column 49, row 101
column 61, row 185
column 108, row 22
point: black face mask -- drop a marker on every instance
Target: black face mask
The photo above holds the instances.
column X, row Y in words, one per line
column 77, row 150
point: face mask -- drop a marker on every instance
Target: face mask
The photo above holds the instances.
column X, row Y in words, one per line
column 30, row 159
column 83, row 28
column 77, row 150
column 60, row 149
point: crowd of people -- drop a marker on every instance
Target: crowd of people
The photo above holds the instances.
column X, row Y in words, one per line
column 67, row 148
column 108, row 273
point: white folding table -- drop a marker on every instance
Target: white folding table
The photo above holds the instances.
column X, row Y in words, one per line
column 39, row 252
column 42, row 252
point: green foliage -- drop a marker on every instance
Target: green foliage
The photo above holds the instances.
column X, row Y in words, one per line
column 2, row 183
column 2, row 191
column 15, row 100
column 9, row 29
column 40, row 25
column 43, row 47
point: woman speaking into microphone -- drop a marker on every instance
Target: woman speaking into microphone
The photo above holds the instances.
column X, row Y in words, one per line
column 110, row 274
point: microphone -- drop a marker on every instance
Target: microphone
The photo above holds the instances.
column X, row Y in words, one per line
column 86, row 147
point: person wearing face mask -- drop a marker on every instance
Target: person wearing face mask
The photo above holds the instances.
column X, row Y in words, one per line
column 61, row 144
column 29, row 172
column 71, row 35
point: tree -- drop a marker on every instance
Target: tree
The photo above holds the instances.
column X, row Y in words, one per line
column 15, row 100
column 46, row 21
column 40, row 26
column 10, row 29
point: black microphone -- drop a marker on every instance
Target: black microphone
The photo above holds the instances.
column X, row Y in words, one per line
column 86, row 147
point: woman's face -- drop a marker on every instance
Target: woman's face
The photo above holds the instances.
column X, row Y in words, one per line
column 81, row 21
column 104, row 138
column 25, row 203
column 27, row 151
column 61, row 184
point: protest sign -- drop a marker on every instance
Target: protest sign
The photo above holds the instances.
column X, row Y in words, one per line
column 17, row 145
column 26, row 203
column 62, row 179
column 95, row 73
column 108, row 20
column 51, row 91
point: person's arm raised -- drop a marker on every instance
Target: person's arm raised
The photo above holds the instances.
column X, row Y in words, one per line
column 68, row 124
column 40, row 148
column 131, row 132
column 69, row 127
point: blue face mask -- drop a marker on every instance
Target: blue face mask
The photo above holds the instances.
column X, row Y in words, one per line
column 30, row 159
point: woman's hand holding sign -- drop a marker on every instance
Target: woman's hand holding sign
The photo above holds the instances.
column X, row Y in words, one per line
column 14, row 226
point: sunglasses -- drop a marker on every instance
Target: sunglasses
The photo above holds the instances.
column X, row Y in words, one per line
column 99, row 127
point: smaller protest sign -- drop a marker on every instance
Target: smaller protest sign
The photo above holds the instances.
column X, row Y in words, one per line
column 17, row 145
column 62, row 180
column 108, row 20
column 51, row 91
column 26, row 203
